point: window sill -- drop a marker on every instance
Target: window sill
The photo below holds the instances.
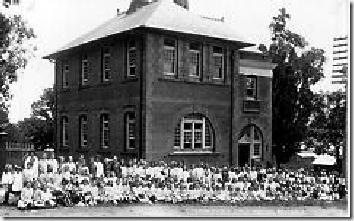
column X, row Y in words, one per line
column 251, row 99
column 194, row 153
column 171, row 77
column 82, row 150
column 218, row 81
column 251, row 106
column 129, row 79
column 169, row 74
column 106, row 82
column 193, row 81
column 106, row 150
column 64, row 148
column 83, row 87
column 127, row 152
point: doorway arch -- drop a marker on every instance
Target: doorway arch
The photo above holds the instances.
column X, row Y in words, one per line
column 250, row 146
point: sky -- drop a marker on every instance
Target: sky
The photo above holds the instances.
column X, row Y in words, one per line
column 57, row 22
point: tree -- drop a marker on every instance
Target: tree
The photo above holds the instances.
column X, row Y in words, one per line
column 15, row 50
column 39, row 128
column 44, row 107
column 328, row 125
column 297, row 69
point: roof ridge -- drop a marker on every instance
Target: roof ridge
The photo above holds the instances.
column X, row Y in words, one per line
column 159, row 3
column 222, row 19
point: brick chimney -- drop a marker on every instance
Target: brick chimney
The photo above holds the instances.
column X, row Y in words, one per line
column 182, row 3
column 136, row 4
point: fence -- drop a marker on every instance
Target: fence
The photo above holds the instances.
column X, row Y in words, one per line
column 14, row 153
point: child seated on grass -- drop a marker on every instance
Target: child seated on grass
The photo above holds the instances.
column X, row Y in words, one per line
column 48, row 198
column 26, row 200
column 38, row 201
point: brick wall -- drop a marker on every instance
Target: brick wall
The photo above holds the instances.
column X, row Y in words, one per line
column 261, row 120
column 116, row 97
column 160, row 103
column 168, row 100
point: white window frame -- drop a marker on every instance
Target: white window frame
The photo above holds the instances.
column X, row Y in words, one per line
column 257, row 142
column 193, row 131
column 174, row 49
column 65, row 82
column 65, row 136
column 192, row 53
column 129, row 51
column 105, row 130
column 83, row 131
column 216, row 54
column 106, row 69
column 253, row 98
column 129, row 122
column 252, row 143
column 84, row 70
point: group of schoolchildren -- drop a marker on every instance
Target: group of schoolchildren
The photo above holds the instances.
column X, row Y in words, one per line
column 48, row 182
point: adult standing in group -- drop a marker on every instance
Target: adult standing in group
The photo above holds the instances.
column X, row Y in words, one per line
column 52, row 163
column 17, row 184
column 43, row 163
column 32, row 160
column 99, row 168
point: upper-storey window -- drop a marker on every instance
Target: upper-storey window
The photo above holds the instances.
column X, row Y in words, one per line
column 106, row 65
column 170, row 57
column 65, row 76
column 84, row 70
column 251, row 88
column 131, row 59
column 218, row 62
column 195, row 61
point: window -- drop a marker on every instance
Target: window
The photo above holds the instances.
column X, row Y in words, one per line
column 256, row 150
column 84, row 70
column 251, row 88
column 218, row 62
column 65, row 76
column 194, row 68
column 104, row 131
column 83, row 131
column 130, row 130
column 11, row 2
column 64, row 132
column 106, row 65
column 170, row 57
column 193, row 133
column 252, row 137
column 131, row 56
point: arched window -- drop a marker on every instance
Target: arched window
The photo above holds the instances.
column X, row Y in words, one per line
column 194, row 132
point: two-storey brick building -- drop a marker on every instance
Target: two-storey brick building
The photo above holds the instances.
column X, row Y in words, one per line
column 162, row 83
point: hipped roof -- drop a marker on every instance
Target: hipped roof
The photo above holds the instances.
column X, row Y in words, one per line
column 163, row 15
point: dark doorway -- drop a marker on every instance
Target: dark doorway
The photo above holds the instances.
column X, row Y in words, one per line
column 243, row 154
